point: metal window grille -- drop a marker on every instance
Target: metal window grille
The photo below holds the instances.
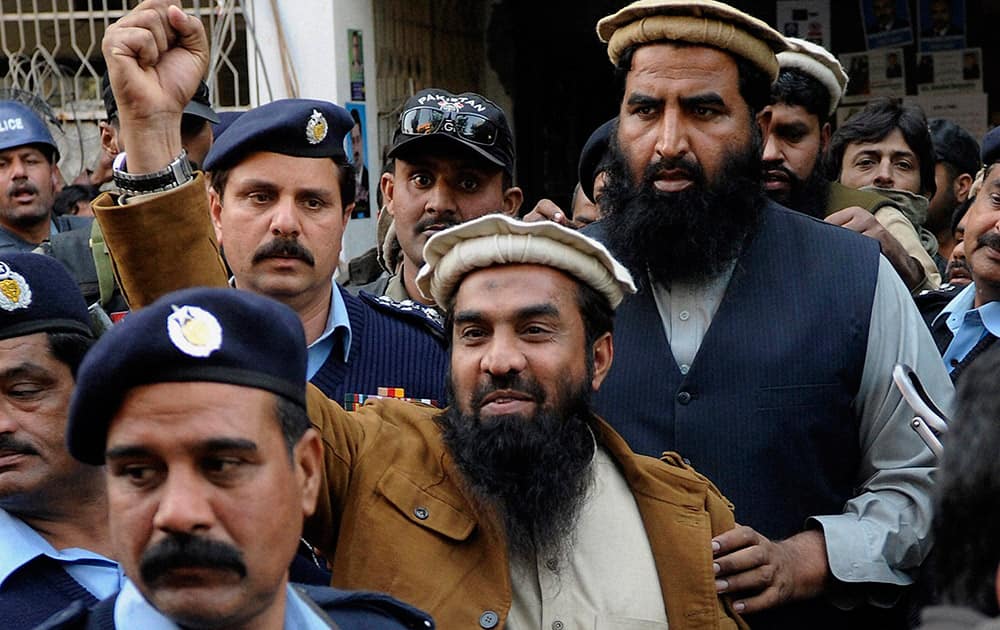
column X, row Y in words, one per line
column 52, row 48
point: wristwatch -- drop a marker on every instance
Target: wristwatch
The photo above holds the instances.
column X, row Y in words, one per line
column 175, row 174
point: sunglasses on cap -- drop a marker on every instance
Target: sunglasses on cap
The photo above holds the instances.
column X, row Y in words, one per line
column 422, row 121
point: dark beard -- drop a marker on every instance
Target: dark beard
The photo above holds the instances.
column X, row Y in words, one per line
column 532, row 473
column 691, row 235
column 807, row 196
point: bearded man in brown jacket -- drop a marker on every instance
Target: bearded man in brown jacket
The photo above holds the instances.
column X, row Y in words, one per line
column 515, row 507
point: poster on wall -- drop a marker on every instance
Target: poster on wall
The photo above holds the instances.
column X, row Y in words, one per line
column 356, row 59
column 942, row 25
column 355, row 146
column 846, row 111
column 807, row 19
column 875, row 73
column 950, row 72
column 887, row 23
column 969, row 111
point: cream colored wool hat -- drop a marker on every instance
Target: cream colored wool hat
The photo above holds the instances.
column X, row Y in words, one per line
column 818, row 63
column 697, row 22
column 497, row 239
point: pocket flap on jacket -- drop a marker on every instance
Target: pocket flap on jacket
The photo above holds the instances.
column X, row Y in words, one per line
column 424, row 509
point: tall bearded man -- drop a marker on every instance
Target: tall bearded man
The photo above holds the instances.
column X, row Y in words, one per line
column 747, row 349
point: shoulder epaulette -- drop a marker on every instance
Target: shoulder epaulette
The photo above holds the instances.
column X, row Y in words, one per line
column 407, row 310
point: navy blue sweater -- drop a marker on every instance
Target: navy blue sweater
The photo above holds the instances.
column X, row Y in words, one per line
column 391, row 346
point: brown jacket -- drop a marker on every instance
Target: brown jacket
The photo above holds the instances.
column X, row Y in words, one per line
column 161, row 244
column 393, row 518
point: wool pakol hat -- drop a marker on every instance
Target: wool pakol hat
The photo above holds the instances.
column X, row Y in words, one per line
column 817, row 62
column 497, row 239
column 704, row 22
column 194, row 335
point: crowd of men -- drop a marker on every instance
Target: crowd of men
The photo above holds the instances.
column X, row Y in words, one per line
column 669, row 405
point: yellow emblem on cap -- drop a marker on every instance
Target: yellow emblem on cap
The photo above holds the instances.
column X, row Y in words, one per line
column 14, row 290
column 316, row 128
column 194, row 331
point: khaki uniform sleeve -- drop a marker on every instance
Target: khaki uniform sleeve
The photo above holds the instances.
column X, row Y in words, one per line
column 162, row 243
column 902, row 230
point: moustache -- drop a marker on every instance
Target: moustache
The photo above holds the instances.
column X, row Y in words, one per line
column 510, row 382
column 989, row 239
column 181, row 551
column 284, row 248
column 957, row 272
column 10, row 444
column 21, row 188
column 446, row 221
column 780, row 167
column 688, row 167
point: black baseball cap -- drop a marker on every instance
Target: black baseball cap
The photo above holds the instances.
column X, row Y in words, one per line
column 467, row 119
column 199, row 105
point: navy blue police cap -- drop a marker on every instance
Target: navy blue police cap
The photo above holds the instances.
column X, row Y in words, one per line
column 295, row 126
column 20, row 125
column 991, row 147
column 225, row 119
column 193, row 335
column 37, row 294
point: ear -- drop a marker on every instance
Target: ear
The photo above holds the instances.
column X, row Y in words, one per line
column 57, row 179
column 824, row 137
column 604, row 353
column 109, row 138
column 348, row 211
column 961, row 186
column 513, row 197
column 307, row 457
column 388, row 185
column 764, row 121
column 215, row 209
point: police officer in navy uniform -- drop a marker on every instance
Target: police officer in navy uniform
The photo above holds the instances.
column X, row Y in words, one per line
column 196, row 408
column 54, row 542
column 282, row 191
column 29, row 179
column 356, row 350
